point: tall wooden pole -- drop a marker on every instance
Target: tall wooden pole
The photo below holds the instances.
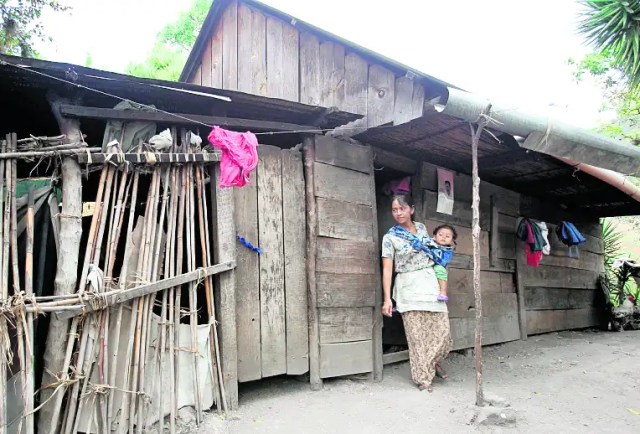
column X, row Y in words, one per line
column 66, row 273
column 312, row 235
column 475, row 233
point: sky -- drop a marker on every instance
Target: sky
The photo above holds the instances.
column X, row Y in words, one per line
column 511, row 51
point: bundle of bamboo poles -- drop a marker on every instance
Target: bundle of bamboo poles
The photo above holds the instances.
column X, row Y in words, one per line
column 118, row 358
column 15, row 321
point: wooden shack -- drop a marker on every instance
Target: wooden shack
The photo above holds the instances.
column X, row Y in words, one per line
column 247, row 46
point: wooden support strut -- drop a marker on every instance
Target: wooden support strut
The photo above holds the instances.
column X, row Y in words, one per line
column 118, row 297
column 73, row 111
column 312, row 239
column 147, row 158
column 477, row 290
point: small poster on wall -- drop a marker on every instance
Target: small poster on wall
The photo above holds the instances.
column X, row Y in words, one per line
column 445, row 191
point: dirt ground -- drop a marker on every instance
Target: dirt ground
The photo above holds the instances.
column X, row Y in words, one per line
column 569, row 382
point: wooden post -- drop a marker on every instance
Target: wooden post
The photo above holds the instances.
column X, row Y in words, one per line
column 5, row 295
column 312, row 239
column 224, row 234
column 66, row 273
column 475, row 232
column 29, row 331
column 378, row 364
column 521, row 265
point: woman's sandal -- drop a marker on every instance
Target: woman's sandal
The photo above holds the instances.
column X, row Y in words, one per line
column 425, row 386
column 441, row 372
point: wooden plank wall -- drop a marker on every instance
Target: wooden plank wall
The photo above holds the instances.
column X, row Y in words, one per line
column 260, row 54
column 271, row 311
column 500, row 304
column 347, row 270
column 561, row 292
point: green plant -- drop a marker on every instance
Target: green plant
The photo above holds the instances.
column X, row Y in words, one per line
column 619, row 280
column 613, row 27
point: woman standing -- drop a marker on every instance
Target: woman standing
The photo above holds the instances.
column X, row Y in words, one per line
column 426, row 320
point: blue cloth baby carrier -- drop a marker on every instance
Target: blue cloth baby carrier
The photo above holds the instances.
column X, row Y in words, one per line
column 570, row 236
column 441, row 255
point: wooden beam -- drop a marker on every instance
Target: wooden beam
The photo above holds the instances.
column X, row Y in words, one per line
column 505, row 159
column 312, row 240
column 521, row 263
column 394, row 161
column 378, row 364
column 73, row 111
column 147, row 158
column 149, row 288
column 399, row 356
column 224, row 237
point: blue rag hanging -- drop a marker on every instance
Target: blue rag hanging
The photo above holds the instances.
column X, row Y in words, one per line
column 570, row 236
column 441, row 255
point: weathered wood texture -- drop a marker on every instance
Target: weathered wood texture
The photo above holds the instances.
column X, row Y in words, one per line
column 282, row 60
column 295, row 277
column 561, row 293
column 224, row 231
column 345, row 358
column 345, row 324
column 496, row 329
column 347, row 264
column 346, row 185
column 248, row 284
column 252, row 51
column 312, row 238
column 509, row 200
column 544, row 321
column 255, row 52
column 272, row 297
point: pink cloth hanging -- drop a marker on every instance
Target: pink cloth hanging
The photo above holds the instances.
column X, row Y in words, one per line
column 239, row 155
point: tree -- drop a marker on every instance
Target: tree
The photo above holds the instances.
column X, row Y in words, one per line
column 613, row 27
column 618, row 97
column 21, row 24
column 170, row 52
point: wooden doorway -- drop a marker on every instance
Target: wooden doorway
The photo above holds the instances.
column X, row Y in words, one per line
column 346, row 335
column 271, row 298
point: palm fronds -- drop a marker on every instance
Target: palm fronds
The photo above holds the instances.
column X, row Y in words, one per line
column 613, row 27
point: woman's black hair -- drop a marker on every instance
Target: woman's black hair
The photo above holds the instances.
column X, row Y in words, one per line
column 403, row 199
column 451, row 228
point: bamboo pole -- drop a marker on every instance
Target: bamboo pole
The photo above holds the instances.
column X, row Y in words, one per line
column 87, row 344
column 475, row 233
column 159, row 347
column 115, row 368
column 167, row 310
column 30, row 155
column 4, row 292
column 28, row 289
column 218, row 380
column 149, row 300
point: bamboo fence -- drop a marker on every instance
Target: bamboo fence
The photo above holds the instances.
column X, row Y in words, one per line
column 142, row 321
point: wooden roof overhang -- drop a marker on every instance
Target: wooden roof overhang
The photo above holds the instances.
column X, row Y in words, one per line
column 24, row 84
column 446, row 141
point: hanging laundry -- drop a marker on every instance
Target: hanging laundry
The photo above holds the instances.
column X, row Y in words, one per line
column 545, row 234
column 531, row 234
column 239, row 156
column 570, row 236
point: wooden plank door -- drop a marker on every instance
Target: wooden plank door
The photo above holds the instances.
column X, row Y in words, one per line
column 347, row 275
column 271, row 300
